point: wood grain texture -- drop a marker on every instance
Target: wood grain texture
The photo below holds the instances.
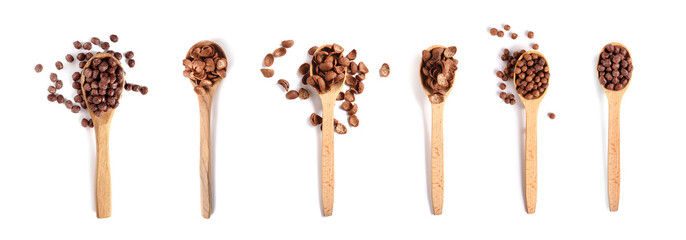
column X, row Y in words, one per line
column 437, row 157
column 613, row 170
column 327, row 171
column 531, row 156
column 103, row 194
column 205, row 106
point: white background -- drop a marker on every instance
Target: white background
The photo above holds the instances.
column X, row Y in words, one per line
column 266, row 154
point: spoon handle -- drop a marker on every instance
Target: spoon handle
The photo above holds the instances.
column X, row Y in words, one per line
column 613, row 175
column 531, row 168
column 327, row 187
column 205, row 105
column 437, row 157
column 103, row 191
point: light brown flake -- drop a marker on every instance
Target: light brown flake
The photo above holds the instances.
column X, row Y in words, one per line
column 362, row 68
column 287, row 43
column 353, row 120
column 385, row 70
column 266, row 72
column 292, row 94
column 280, row 52
column 349, row 96
column 340, row 128
column 268, row 60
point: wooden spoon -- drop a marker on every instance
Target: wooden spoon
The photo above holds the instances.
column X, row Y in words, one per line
column 205, row 105
column 531, row 176
column 328, row 104
column 436, row 143
column 103, row 190
column 614, row 99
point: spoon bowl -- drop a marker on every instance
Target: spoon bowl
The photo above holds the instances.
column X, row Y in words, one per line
column 220, row 54
column 103, row 191
column 614, row 99
column 437, row 182
column 336, row 86
column 110, row 112
column 608, row 91
column 422, row 78
column 534, row 100
column 327, row 165
column 531, row 153
column 205, row 106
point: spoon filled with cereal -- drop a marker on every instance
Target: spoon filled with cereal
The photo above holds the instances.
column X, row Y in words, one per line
column 102, row 81
column 531, row 76
column 327, row 73
column 614, row 75
column 437, row 75
column 205, row 65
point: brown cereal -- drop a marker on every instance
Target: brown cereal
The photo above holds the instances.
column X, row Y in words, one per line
column 327, row 68
column 315, row 119
column 349, row 96
column 340, row 128
column 267, row 72
column 204, row 66
column 287, row 43
column 283, row 84
column 438, row 73
column 268, row 60
column 303, row 94
column 346, row 105
column 353, row 110
column 615, row 67
column 353, row 120
column 362, row 68
column 292, row 94
column 312, row 50
column 531, row 75
column 352, row 55
column 385, row 70
column 304, row 68
column 280, row 52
